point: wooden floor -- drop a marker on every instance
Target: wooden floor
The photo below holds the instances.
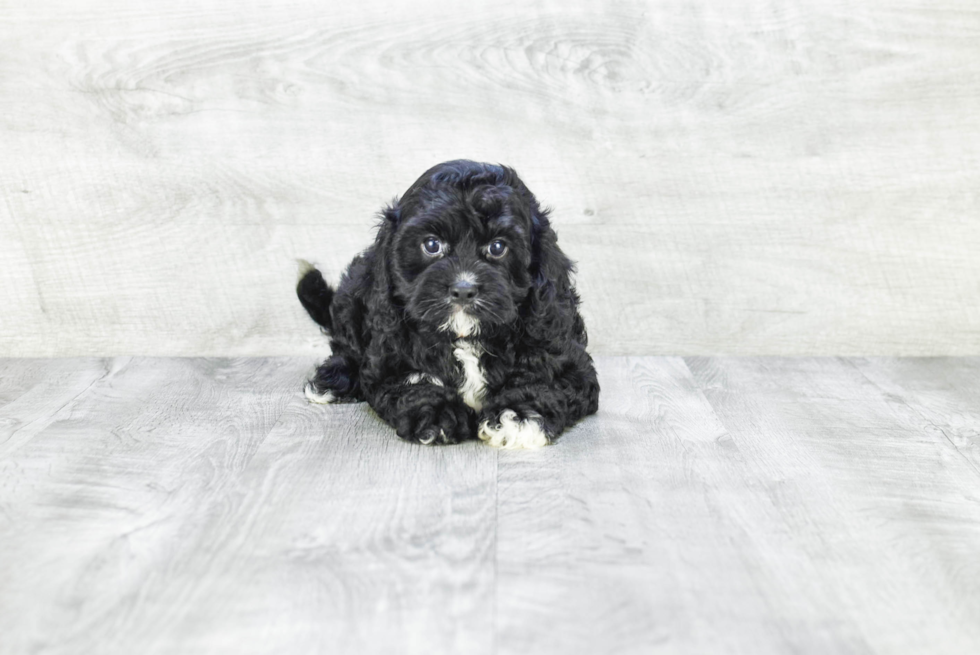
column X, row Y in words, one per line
column 713, row 505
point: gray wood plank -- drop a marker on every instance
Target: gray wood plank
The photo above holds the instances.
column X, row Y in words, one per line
column 109, row 503
column 209, row 508
column 36, row 392
column 654, row 530
column 795, row 177
column 942, row 393
column 589, row 531
column 341, row 539
column 881, row 514
column 714, row 505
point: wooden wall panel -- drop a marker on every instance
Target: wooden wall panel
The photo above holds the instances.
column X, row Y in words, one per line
column 784, row 177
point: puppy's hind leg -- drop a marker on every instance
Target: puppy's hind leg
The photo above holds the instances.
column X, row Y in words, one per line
column 335, row 381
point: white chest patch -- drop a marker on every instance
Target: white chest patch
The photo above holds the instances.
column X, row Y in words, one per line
column 474, row 385
column 513, row 433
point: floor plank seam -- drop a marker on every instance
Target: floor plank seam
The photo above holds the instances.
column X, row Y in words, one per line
column 275, row 424
column 924, row 418
column 11, row 439
column 496, row 552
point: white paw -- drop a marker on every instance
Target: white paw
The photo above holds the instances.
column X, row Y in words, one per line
column 324, row 398
column 432, row 437
column 513, row 433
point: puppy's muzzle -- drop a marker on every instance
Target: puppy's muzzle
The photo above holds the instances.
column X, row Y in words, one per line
column 463, row 292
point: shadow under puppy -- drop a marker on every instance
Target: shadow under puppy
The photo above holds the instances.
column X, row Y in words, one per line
column 461, row 319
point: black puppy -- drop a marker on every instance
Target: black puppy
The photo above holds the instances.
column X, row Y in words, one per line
column 461, row 319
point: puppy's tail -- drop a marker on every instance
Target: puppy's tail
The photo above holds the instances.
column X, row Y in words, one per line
column 314, row 294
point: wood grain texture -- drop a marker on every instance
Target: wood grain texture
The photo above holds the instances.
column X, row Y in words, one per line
column 876, row 510
column 192, row 506
column 790, row 177
column 35, row 393
column 104, row 508
column 939, row 393
column 713, row 505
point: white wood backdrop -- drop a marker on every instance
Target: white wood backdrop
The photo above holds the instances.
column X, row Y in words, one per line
column 779, row 177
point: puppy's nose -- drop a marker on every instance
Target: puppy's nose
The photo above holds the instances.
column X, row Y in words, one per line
column 463, row 291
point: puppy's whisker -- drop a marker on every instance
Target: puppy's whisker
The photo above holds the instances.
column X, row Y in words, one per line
column 493, row 313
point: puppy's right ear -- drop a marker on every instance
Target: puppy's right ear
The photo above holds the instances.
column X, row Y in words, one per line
column 391, row 215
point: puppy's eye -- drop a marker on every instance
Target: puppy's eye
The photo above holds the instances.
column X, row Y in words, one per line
column 497, row 249
column 432, row 246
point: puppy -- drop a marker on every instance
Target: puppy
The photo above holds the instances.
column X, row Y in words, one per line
column 460, row 320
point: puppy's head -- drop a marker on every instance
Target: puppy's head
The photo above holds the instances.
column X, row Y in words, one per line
column 464, row 246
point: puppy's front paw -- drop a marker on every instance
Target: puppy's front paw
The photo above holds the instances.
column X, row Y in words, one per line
column 320, row 398
column 507, row 430
column 435, row 421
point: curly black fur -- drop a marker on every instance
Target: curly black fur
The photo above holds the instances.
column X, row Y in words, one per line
column 390, row 321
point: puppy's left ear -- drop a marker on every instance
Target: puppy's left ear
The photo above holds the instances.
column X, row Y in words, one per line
column 390, row 216
column 550, row 269
column 553, row 301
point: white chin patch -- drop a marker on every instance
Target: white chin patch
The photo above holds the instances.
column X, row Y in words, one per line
column 324, row 398
column 513, row 433
column 461, row 323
